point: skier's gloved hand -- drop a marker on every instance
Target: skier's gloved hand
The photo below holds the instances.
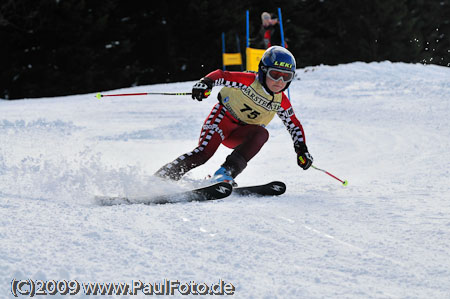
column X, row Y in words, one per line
column 304, row 158
column 202, row 89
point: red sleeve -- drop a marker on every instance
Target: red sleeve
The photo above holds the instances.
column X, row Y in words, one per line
column 293, row 125
column 228, row 78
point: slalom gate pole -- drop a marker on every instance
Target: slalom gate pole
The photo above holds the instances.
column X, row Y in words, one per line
column 344, row 182
column 99, row 95
column 281, row 28
column 283, row 44
column 247, row 18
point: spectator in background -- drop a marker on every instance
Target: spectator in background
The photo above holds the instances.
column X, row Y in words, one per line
column 269, row 34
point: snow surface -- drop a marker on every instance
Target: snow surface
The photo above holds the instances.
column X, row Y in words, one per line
column 385, row 127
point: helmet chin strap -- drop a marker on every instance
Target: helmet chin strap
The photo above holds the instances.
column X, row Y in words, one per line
column 264, row 85
column 287, row 86
column 262, row 69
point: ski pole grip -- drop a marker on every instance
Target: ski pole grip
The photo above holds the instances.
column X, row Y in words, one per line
column 301, row 160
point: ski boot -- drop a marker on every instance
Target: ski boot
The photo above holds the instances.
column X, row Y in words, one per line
column 223, row 175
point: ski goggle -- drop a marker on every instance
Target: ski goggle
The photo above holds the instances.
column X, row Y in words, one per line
column 276, row 74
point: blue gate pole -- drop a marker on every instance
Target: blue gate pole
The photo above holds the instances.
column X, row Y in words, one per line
column 281, row 28
column 282, row 39
column 223, row 49
column 248, row 28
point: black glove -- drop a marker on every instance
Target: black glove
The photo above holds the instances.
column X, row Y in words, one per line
column 202, row 89
column 304, row 158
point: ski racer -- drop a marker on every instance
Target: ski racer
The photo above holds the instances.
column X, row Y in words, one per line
column 247, row 103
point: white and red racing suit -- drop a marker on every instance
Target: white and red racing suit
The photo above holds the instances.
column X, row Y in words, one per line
column 237, row 121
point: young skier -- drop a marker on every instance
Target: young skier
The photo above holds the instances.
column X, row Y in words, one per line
column 247, row 103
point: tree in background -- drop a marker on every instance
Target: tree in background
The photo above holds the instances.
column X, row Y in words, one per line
column 53, row 47
column 431, row 33
column 61, row 47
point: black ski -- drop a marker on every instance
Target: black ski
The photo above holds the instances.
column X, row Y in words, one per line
column 270, row 189
column 211, row 192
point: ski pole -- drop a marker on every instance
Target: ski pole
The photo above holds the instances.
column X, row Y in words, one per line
column 345, row 182
column 99, row 95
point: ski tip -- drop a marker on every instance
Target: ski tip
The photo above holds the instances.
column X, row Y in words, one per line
column 111, row 200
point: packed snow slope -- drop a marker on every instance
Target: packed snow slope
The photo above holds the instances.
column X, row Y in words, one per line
column 385, row 127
